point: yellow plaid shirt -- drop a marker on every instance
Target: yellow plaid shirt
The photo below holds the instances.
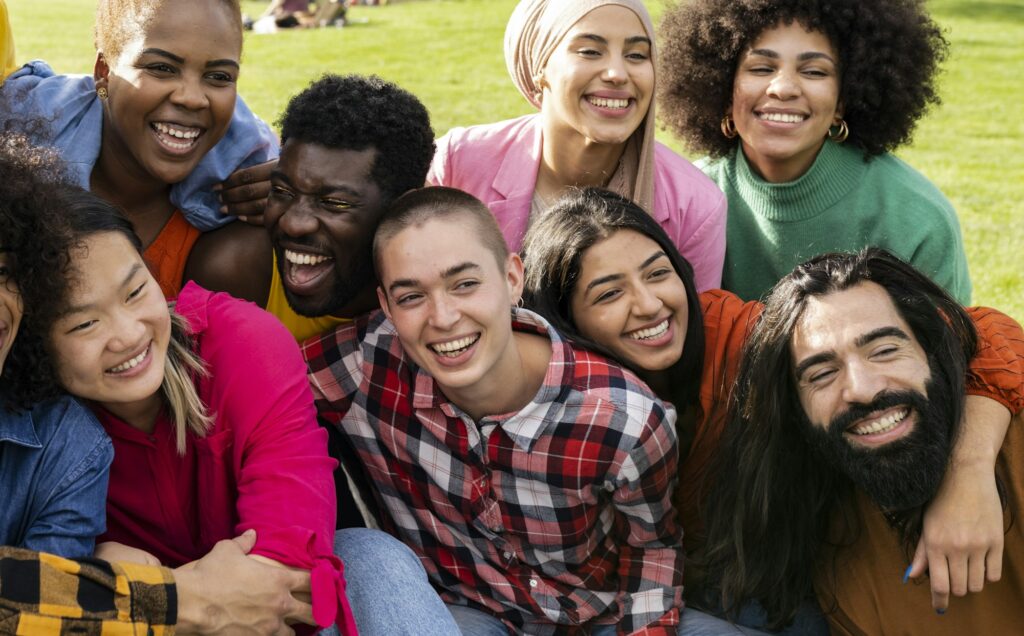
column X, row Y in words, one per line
column 43, row 594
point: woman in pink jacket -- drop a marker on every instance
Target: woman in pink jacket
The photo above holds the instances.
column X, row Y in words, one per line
column 588, row 66
column 213, row 426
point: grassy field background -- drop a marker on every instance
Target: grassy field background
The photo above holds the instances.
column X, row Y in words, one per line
column 449, row 53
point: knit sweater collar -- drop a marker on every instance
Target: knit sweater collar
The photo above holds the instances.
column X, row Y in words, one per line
column 835, row 171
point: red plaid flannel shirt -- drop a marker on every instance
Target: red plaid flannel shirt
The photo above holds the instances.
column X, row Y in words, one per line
column 553, row 517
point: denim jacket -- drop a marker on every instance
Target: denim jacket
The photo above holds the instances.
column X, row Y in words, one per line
column 73, row 119
column 54, row 463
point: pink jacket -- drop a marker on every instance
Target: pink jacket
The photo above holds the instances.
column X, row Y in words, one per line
column 262, row 465
column 497, row 163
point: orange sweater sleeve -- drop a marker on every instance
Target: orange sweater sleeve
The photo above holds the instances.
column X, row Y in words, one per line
column 997, row 370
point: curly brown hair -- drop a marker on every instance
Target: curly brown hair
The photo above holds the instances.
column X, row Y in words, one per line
column 889, row 54
column 33, row 233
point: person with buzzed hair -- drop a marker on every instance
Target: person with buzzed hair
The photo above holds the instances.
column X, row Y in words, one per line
column 532, row 477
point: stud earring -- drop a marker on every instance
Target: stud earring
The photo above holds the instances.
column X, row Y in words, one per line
column 101, row 92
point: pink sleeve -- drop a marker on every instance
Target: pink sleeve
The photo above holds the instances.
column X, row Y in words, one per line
column 693, row 210
column 439, row 173
column 705, row 248
column 284, row 476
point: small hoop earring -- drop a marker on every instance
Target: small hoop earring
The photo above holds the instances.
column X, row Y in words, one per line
column 518, row 304
column 840, row 135
column 101, row 92
column 729, row 127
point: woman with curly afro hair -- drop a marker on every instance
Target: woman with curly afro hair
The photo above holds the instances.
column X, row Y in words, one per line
column 54, row 456
column 798, row 104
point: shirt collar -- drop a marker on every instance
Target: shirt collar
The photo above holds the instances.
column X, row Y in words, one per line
column 18, row 428
column 527, row 424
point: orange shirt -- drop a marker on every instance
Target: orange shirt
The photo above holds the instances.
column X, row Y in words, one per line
column 167, row 255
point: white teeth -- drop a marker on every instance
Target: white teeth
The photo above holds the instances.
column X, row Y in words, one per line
column 882, row 425
column 129, row 364
column 786, row 118
column 454, row 348
column 652, row 332
column 605, row 102
column 180, row 133
column 299, row 258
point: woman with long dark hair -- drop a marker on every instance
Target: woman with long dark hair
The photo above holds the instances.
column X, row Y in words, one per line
column 604, row 274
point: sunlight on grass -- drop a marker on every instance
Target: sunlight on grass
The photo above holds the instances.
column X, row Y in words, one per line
column 449, row 53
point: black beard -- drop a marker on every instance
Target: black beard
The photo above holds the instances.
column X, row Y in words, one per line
column 901, row 475
column 347, row 286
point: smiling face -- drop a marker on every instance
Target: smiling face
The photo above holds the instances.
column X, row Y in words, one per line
column 110, row 343
column 323, row 209
column 10, row 307
column 785, row 98
column 171, row 90
column 630, row 300
column 599, row 81
column 849, row 348
column 450, row 300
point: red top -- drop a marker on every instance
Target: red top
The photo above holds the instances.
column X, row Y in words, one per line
column 263, row 465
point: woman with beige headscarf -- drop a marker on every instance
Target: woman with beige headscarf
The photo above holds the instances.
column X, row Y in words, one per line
column 588, row 66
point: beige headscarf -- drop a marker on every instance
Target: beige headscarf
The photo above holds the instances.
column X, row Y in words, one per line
column 534, row 30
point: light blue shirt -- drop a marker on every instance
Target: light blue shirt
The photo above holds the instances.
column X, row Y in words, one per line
column 54, row 464
column 73, row 119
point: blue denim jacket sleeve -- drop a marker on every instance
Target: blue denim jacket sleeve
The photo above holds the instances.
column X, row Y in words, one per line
column 73, row 119
column 56, row 462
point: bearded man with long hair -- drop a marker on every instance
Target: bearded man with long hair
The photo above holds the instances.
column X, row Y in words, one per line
column 843, row 420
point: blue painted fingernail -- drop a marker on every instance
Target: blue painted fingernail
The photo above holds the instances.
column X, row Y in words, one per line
column 906, row 575
column 940, row 611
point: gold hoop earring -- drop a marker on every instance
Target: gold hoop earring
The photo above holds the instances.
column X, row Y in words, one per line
column 101, row 92
column 729, row 127
column 840, row 135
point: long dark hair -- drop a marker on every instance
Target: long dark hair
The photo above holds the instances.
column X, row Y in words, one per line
column 769, row 513
column 553, row 250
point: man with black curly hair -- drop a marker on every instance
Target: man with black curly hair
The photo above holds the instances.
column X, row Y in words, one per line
column 350, row 145
column 798, row 105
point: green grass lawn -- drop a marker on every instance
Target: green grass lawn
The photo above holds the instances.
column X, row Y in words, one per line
column 449, row 53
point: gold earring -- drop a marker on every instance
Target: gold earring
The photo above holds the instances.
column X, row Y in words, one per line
column 101, row 92
column 840, row 135
column 729, row 127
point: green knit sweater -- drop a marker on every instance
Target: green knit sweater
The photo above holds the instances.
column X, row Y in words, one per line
column 841, row 204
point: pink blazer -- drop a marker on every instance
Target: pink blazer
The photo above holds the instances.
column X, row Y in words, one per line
column 497, row 163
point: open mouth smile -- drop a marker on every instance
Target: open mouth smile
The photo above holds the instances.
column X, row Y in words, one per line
column 781, row 118
column 454, row 348
column 131, row 363
column 176, row 138
column 880, row 425
column 305, row 269
column 608, row 102
column 650, row 333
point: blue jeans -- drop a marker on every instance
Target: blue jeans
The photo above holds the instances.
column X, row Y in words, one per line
column 474, row 622
column 387, row 587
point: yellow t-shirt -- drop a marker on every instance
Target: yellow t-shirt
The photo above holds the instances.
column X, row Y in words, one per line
column 7, row 64
column 301, row 327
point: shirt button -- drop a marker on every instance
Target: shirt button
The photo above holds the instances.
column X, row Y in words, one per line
column 533, row 582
